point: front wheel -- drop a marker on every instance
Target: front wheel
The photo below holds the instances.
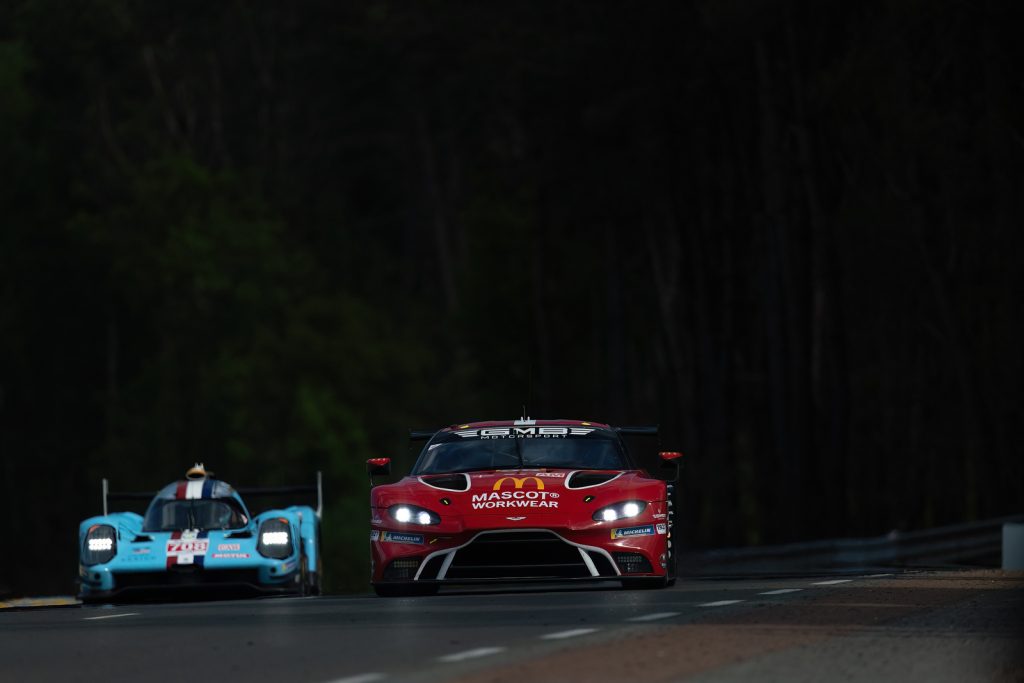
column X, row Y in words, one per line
column 398, row 590
column 647, row 583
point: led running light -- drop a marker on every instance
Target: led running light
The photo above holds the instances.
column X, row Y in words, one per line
column 275, row 538
column 623, row 510
column 404, row 513
column 96, row 544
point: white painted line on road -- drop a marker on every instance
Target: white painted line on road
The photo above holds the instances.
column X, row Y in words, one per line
column 781, row 591
column 654, row 617
column 831, row 583
column 112, row 616
column 719, row 603
column 361, row 678
column 568, row 634
column 471, row 654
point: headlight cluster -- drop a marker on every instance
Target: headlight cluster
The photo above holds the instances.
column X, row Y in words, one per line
column 411, row 514
column 275, row 539
column 100, row 544
column 624, row 510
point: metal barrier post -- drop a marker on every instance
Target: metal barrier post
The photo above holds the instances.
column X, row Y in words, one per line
column 1013, row 546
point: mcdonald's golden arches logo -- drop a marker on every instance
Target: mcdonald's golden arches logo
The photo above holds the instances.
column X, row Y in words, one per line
column 519, row 481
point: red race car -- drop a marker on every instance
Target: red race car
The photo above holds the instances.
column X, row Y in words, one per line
column 523, row 500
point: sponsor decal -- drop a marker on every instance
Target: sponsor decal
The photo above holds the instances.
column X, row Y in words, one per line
column 523, row 432
column 517, row 496
column 662, row 529
column 228, row 547
column 660, row 515
column 515, row 519
column 230, row 556
column 182, row 547
column 399, row 537
column 374, row 534
column 140, row 551
column 518, row 482
column 647, row 530
column 550, row 475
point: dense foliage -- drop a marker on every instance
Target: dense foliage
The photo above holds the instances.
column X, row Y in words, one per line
column 274, row 236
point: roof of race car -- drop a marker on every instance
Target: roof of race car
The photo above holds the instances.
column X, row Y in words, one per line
column 195, row 489
column 524, row 423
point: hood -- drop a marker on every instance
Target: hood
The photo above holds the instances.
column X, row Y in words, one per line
column 503, row 492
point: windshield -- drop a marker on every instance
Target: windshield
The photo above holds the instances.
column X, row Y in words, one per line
column 172, row 515
column 522, row 447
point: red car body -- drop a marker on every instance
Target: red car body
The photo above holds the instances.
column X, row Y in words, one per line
column 523, row 500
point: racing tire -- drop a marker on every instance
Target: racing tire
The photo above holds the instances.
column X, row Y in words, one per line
column 400, row 590
column 647, row 583
column 316, row 578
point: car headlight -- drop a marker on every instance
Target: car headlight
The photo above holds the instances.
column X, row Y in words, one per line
column 411, row 514
column 100, row 544
column 624, row 510
column 275, row 539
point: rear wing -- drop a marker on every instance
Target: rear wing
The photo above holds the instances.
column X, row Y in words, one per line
column 317, row 488
column 645, row 430
column 422, row 434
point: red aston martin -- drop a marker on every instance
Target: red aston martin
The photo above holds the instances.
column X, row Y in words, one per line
column 523, row 500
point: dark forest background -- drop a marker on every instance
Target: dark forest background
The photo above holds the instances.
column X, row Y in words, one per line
column 275, row 236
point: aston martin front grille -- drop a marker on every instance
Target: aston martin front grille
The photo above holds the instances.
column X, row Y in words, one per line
column 518, row 555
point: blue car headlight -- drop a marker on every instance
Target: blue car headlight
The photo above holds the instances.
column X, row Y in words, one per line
column 275, row 539
column 623, row 510
column 100, row 544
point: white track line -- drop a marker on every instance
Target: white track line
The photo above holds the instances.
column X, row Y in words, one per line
column 831, row 583
column 471, row 654
column 654, row 617
column 112, row 616
column 719, row 603
column 568, row 634
column 361, row 678
column 780, row 591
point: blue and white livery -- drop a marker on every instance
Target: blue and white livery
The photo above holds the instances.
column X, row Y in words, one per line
column 197, row 534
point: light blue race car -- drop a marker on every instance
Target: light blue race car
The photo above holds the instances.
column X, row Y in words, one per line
column 197, row 535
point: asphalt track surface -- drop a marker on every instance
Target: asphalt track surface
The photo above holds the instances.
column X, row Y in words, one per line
column 928, row 626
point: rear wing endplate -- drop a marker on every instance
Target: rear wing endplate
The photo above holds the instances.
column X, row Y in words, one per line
column 644, row 430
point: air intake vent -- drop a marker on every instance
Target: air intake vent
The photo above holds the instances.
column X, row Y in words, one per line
column 583, row 480
column 524, row 554
column 402, row 569
column 632, row 563
column 449, row 482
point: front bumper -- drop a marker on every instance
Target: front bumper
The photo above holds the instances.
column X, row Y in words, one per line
column 516, row 554
column 101, row 582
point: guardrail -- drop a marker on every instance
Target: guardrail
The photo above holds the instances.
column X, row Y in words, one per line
column 942, row 546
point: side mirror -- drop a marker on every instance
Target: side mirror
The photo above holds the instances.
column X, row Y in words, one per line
column 378, row 466
column 670, row 460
